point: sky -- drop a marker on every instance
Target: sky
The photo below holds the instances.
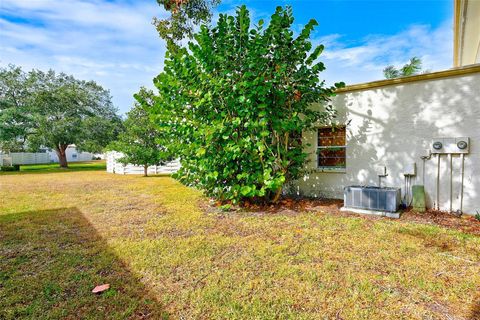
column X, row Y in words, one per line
column 114, row 42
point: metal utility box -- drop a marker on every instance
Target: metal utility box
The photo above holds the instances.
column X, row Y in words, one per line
column 457, row 145
column 372, row 198
column 418, row 198
column 381, row 171
column 410, row 169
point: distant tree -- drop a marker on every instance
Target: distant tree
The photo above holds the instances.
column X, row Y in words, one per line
column 55, row 110
column 184, row 15
column 142, row 143
column 16, row 103
column 413, row 67
column 391, row 72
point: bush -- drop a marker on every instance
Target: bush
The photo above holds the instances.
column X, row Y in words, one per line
column 142, row 143
column 15, row 167
column 237, row 102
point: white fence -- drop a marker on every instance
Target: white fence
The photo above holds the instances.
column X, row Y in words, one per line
column 114, row 166
column 72, row 155
column 24, row 158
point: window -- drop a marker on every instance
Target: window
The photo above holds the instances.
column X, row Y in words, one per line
column 331, row 149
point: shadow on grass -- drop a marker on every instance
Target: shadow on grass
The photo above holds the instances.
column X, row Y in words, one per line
column 475, row 309
column 159, row 175
column 51, row 260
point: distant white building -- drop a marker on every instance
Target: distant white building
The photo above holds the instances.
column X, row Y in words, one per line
column 73, row 155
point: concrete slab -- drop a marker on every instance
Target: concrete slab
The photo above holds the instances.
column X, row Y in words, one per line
column 394, row 215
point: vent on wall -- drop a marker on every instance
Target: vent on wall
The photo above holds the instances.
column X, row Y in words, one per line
column 372, row 198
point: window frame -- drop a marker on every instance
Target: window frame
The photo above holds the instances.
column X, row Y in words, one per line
column 335, row 169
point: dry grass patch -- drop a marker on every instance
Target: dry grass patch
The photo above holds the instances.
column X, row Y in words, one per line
column 165, row 256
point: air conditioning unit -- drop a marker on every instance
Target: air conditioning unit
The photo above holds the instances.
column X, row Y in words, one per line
column 372, row 198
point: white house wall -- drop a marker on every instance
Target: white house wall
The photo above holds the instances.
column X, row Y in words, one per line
column 393, row 126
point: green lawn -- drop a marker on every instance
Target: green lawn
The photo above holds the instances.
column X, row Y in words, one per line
column 167, row 255
column 54, row 167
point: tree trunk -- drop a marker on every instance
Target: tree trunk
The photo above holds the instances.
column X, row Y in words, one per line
column 145, row 170
column 62, row 155
column 278, row 193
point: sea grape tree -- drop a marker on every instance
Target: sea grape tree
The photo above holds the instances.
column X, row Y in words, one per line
column 236, row 102
column 184, row 15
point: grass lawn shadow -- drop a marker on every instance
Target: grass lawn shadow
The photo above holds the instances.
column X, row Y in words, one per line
column 51, row 260
column 475, row 309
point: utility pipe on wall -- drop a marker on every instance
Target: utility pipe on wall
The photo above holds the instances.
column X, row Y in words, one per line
column 425, row 158
column 450, row 156
column 461, row 188
column 450, row 147
column 381, row 175
column 438, row 181
column 407, row 191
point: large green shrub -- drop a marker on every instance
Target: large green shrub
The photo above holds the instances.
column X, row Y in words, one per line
column 236, row 103
column 15, row 167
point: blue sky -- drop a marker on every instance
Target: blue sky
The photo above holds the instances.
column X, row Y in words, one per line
column 114, row 43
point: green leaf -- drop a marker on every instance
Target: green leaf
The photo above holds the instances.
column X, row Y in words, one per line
column 245, row 190
column 248, row 105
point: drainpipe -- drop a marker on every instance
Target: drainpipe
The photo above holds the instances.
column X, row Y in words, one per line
column 425, row 158
column 450, row 156
column 438, row 181
column 461, row 188
column 381, row 175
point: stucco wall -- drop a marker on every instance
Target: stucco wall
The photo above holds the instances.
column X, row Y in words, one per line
column 393, row 126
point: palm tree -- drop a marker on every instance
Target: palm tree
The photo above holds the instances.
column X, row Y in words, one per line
column 413, row 67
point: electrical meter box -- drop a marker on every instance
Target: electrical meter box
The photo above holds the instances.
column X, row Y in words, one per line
column 381, row 171
column 410, row 169
column 450, row 145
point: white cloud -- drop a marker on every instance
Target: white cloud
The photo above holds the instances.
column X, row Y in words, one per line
column 365, row 60
column 113, row 43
